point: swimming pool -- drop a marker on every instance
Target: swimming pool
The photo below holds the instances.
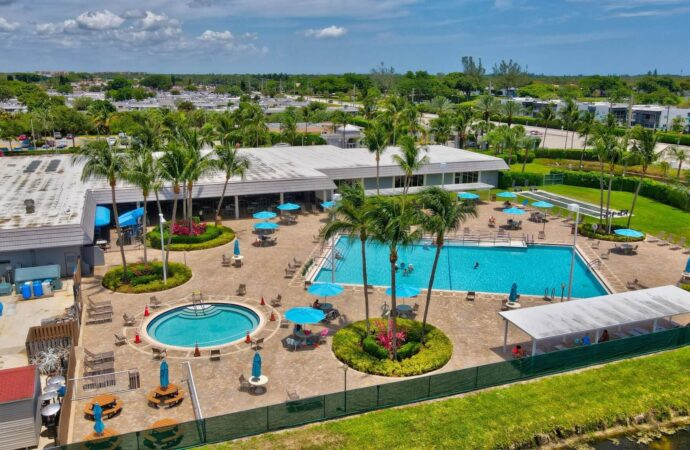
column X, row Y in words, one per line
column 208, row 325
column 534, row 268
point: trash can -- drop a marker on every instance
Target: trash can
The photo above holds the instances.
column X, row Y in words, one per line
column 26, row 290
column 47, row 287
column 38, row 289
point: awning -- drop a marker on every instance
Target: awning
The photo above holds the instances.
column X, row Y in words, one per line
column 447, row 187
column 102, row 216
column 129, row 218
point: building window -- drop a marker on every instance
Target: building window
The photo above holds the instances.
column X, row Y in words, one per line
column 466, row 177
column 415, row 180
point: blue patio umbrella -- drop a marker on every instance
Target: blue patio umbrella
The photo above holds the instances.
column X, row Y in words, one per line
column 98, row 426
column 325, row 289
column 236, row 251
column 264, row 215
column 130, row 218
column 256, row 365
column 304, row 315
column 514, row 211
column 328, row 204
column 266, row 226
column 687, row 266
column 102, row 216
column 404, row 291
column 542, row 204
column 513, row 293
column 468, row 196
column 164, row 377
column 627, row 232
column 506, row 195
column 288, row 206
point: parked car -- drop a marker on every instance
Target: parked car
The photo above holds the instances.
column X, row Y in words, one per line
column 69, row 136
column 57, row 135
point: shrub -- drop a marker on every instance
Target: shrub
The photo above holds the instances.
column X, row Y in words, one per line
column 349, row 347
column 146, row 277
column 212, row 237
column 586, row 229
column 517, row 157
column 372, row 347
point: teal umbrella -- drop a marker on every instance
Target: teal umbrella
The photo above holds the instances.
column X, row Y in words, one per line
column 468, row 196
column 98, row 426
column 403, row 291
column 164, row 376
column 102, row 216
column 328, row 205
column 513, row 293
column 130, row 218
column 325, row 289
column 266, row 226
column 236, row 251
column 542, row 204
column 506, row 195
column 304, row 315
column 264, row 215
column 256, row 365
column 288, row 207
column 514, row 211
column 687, row 266
column 627, row 232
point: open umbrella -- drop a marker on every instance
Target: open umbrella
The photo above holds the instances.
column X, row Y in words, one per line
column 404, row 291
column 264, row 215
column 514, row 211
column 236, row 251
column 98, row 426
column 164, row 377
column 468, row 196
column 513, row 293
column 266, row 226
column 256, row 365
column 288, row 206
column 328, row 204
column 304, row 315
column 506, row 195
column 627, row 232
column 325, row 289
column 102, row 216
column 542, row 204
column 130, row 218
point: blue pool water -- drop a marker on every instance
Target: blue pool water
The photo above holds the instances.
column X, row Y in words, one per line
column 215, row 324
column 534, row 268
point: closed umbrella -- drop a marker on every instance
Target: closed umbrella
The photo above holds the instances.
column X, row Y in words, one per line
column 513, row 293
column 264, row 215
column 288, row 206
column 236, row 251
column 304, row 315
column 627, row 232
column 164, row 377
column 506, row 195
column 256, row 366
column 98, row 426
column 468, row 196
column 403, row 291
column 266, row 226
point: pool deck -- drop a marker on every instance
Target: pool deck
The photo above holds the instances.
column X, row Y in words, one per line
column 474, row 327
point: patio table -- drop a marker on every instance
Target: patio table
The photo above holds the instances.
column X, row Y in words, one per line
column 325, row 307
column 259, row 384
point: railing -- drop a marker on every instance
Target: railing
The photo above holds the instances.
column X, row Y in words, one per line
column 494, row 239
column 330, row 406
column 91, row 386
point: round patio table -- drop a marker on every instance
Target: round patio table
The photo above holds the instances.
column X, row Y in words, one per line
column 259, row 384
column 404, row 308
column 325, row 306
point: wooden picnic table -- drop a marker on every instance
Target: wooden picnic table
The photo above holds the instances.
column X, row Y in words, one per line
column 107, row 433
column 109, row 403
column 170, row 391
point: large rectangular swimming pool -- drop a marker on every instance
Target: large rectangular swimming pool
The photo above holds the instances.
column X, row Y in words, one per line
column 535, row 268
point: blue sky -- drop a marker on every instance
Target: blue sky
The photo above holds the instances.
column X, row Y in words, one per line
column 334, row 36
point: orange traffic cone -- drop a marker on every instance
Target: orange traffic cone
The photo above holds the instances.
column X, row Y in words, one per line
column 137, row 338
column 248, row 340
column 146, row 311
column 262, row 301
column 273, row 317
column 197, row 353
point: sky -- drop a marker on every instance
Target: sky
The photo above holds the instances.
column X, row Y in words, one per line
column 335, row 36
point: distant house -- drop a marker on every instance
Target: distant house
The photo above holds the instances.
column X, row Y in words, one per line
column 20, row 415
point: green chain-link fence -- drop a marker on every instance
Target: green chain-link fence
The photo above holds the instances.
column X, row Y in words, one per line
column 300, row 412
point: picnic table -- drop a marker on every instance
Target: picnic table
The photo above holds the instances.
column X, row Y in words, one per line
column 163, row 433
column 170, row 396
column 110, row 404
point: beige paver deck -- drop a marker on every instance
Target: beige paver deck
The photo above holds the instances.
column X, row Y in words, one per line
column 474, row 327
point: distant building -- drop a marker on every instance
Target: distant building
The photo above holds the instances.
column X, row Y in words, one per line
column 20, row 414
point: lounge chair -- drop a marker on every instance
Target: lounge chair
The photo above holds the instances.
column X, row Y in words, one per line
column 159, row 353
column 98, row 357
column 241, row 289
column 315, row 239
column 289, row 272
column 99, row 307
column 258, row 344
column 97, row 304
column 275, row 302
column 678, row 245
column 244, row 384
column 415, row 308
column 215, row 355
column 297, row 262
column 120, row 340
column 96, row 318
column 101, row 367
column 631, row 285
column 667, row 241
column 595, row 244
column 154, row 302
column 653, row 239
column 542, row 235
column 292, row 395
column 284, row 323
column 471, row 295
column 129, row 320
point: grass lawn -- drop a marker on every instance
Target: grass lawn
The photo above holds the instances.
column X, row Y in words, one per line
column 533, row 167
column 500, row 417
column 649, row 216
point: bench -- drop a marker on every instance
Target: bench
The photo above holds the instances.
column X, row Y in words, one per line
column 153, row 400
column 172, row 401
column 51, row 272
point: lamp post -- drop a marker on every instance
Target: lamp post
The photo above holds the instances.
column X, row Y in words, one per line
column 344, row 369
column 165, row 265
column 573, row 207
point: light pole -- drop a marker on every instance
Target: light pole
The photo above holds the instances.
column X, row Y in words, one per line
column 165, row 265
column 573, row 207
column 344, row 368
column 443, row 175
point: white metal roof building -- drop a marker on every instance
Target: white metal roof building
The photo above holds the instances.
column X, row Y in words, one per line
column 594, row 314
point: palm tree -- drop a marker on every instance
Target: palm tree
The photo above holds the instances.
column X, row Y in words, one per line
column 196, row 162
column 440, row 213
column 409, row 159
column 141, row 172
column 288, row 125
column 231, row 163
column 349, row 217
column 442, row 128
column 343, row 118
column 679, row 154
column 462, row 120
column 644, row 146
column 568, row 114
column 392, row 115
column 172, row 168
column 509, row 110
column 391, row 223
column 487, row 105
column 613, row 157
column 546, row 115
column 100, row 112
column 102, row 161
column 527, row 142
column 586, row 122
column 376, row 140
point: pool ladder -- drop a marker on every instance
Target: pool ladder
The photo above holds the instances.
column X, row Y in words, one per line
column 548, row 297
column 198, row 300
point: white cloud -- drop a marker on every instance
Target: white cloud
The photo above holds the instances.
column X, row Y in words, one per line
column 326, row 33
column 653, row 13
column 6, row 26
column 153, row 21
column 216, row 36
column 99, row 20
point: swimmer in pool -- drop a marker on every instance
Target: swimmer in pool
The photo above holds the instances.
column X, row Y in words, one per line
column 476, row 265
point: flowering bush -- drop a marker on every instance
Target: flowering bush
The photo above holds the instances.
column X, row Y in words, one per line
column 385, row 335
column 182, row 229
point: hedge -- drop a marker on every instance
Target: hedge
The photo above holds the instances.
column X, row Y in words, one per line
column 309, row 138
column 213, row 237
column 587, row 229
column 55, row 151
column 146, row 277
column 349, row 342
column 574, row 154
column 507, row 180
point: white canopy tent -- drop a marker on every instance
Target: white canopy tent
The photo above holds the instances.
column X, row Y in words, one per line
column 598, row 313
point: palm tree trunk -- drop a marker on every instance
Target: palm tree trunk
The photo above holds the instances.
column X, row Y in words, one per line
column 608, row 205
column 439, row 245
column 222, row 196
column 119, row 233
column 524, row 162
column 176, row 191
column 190, row 210
column 632, row 207
column 543, row 143
column 366, row 282
column 378, row 184
column 601, row 195
column 680, row 164
column 158, row 202
column 394, row 306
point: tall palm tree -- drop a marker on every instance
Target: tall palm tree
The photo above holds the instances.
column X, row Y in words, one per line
column 197, row 163
column 442, row 127
column 586, row 122
column 510, row 109
column 349, row 217
column 527, row 142
column 376, row 140
column 342, row 118
column 487, row 105
column 410, row 159
column 679, row 154
column 613, row 157
column 229, row 161
column 102, row 161
column 462, row 120
column 391, row 223
column 172, row 168
column 140, row 170
column 440, row 212
column 392, row 115
column 288, row 125
column 546, row 115
column 644, row 146
column 568, row 115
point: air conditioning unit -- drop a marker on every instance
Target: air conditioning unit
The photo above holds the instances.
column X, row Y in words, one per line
column 30, row 207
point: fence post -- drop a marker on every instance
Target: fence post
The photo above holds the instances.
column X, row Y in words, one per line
column 428, row 388
column 378, row 396
column 324, row 406
column 476, row 377
column 267, row 425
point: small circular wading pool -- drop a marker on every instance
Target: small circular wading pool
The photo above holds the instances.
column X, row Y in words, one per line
column 208, row 324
